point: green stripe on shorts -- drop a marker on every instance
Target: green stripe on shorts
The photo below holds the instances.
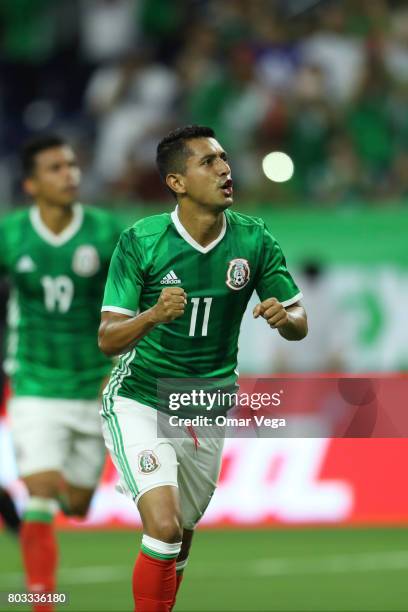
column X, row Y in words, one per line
column 113, row 423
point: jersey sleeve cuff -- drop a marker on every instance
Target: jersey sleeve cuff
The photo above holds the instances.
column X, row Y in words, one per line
column 125, row 311
column 292, row 300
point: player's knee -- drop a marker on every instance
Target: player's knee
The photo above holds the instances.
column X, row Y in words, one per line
column 168, row 530
column 161, row 514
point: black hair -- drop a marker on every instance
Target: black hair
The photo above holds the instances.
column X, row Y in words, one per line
column 172, row 150
column 36, row 145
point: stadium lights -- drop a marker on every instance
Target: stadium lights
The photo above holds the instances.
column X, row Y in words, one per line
column 278, row 166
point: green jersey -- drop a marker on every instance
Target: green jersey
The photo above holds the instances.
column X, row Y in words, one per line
column 219, row 279
column 54, row 310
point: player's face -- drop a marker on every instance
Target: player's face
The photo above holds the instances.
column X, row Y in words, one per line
column 207, row 178
column 56, row 177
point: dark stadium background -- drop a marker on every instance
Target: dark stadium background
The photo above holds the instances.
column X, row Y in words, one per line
column 297, row 524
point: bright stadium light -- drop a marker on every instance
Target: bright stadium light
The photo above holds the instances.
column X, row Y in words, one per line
column 278, row 166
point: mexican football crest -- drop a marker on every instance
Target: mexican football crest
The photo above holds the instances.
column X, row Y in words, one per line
column 148, row 462
column 238, row 274
column 86, row 261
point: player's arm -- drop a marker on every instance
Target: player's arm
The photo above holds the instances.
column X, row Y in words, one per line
column 291, row 322
column 118, row 333
column 279, row 295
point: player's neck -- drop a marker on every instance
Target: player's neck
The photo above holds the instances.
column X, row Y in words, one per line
column 202, row 224
column 55, row 218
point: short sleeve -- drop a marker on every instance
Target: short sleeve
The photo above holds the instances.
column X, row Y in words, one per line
column 274, row 279
column 125, row 277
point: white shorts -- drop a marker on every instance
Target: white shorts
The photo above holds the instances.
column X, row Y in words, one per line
column 145, row 461
column 58, row 434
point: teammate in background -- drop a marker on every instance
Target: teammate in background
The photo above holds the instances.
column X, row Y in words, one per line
column 56, row 255
column 211, row 260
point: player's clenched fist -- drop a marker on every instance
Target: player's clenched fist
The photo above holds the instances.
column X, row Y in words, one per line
column 170, row 305
column 273, row 311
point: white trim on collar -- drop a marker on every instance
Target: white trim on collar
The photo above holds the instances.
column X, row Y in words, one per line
column 46, row 234
column 184, row 233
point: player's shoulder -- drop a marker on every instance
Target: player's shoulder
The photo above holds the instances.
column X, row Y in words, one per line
column 245, row 221
column 154, row 225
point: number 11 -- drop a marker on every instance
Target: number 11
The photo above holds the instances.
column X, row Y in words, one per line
column 196, row 303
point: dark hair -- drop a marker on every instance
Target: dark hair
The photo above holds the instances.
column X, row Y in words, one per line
column 36, row 145
column 172, row 150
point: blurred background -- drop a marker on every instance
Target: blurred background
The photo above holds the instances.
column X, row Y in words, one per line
column 325, row 82
column 310, row 101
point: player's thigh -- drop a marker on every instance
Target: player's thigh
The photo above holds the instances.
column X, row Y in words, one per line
column 40, row 434
column 143, row 460
column 86, row 458
column 198, row 474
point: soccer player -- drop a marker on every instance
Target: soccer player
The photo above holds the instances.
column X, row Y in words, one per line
column 56, row 254
column 190, row 275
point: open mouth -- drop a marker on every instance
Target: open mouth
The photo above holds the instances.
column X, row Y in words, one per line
column 227, row 188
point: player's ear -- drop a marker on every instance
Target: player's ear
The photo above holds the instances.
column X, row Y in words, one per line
column 176, row 183
column 29, row 187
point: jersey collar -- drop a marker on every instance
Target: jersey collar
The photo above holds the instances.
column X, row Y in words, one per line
column 57, row 239
column 190, row 240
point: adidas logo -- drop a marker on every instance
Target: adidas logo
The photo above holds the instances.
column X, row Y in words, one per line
column 25, row 264
column 170, row 279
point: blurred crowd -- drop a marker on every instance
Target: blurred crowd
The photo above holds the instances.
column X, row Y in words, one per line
column 326, row 82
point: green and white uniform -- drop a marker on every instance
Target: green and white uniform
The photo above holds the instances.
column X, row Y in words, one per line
column 219, row 279
column 54, row 312
column 57, row 285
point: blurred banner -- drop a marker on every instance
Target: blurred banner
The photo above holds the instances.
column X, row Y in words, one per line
column 281, row 481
